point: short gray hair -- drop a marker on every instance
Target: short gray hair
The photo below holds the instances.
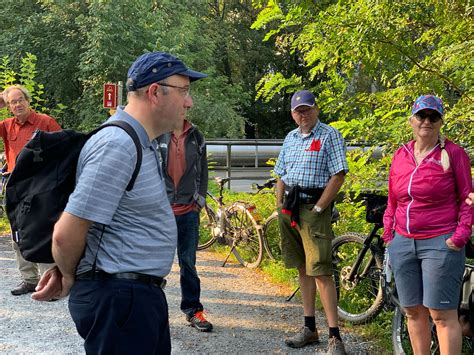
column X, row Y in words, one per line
column 24, row 90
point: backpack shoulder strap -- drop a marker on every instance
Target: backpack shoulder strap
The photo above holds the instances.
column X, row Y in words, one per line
column 131, row 132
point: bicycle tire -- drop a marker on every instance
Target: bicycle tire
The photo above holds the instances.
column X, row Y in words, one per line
column 246, row 236
column 272, row 237
column 207, row 223
column 361, row 300
column 400, row 339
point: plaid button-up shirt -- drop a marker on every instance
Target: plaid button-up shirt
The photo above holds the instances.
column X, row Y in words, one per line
column 310, row 160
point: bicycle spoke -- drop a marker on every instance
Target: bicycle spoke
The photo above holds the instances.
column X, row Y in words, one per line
column 272, row 238
column 361, row 298
column 246, row 239
column 207, row 222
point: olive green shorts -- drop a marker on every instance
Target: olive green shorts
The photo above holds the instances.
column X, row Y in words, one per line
column 311, row 245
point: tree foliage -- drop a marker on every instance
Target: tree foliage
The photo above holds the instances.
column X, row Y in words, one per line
column 367, row 61
column 82, row 45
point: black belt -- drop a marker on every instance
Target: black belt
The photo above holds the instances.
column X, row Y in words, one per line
column 308, row 200
column 102, row 275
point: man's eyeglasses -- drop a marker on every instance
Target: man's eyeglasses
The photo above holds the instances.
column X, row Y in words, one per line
column 185, row 91
column 303, row 111
column 16, row 102
column 432, row 117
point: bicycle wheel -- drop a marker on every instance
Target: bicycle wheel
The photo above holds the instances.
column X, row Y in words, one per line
column 246, row 237
column 400, row 338
column 359, row 300
column 207, row 223
column 271, row 237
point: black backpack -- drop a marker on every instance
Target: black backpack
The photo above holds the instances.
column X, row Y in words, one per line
column 41, row 182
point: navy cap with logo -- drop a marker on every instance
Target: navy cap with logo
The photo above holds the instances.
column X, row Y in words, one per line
column 302, row 98
column 152, row 67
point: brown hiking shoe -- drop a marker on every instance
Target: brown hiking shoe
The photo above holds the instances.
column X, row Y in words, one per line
column 304, row 337
column 23, row 288
column 336, row 347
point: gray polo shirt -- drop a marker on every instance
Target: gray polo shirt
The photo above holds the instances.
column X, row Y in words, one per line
column 140, row 233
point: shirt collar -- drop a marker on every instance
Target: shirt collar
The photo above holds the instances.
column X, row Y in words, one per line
column 30, row 119
column 311, row 133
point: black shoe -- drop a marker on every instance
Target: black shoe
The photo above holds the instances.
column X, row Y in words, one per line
column 199, row 322
column 23, row 288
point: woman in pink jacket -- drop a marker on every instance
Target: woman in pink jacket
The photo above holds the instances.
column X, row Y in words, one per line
column 426, row 225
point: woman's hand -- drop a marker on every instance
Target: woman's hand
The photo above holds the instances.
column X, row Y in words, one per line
column 451, row 245
column 470, row 199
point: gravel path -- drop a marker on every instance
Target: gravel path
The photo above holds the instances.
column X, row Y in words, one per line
column 249, row 314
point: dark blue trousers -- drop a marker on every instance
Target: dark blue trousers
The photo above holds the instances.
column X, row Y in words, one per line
column 188, row 238
column 120, row 317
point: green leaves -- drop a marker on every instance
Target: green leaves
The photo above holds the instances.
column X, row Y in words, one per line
column 26, row 75
column 368, row 60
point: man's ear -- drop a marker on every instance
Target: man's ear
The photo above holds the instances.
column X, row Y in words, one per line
column 153, row 93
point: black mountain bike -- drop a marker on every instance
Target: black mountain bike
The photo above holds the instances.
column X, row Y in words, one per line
column 364, row 286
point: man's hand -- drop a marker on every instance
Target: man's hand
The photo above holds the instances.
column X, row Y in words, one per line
column 3, row 103
column 52, row 285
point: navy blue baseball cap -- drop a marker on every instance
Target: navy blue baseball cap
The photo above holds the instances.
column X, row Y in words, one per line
column 302, row 98
column 153, row 67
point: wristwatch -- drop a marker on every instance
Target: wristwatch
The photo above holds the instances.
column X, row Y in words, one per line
column 317, row 209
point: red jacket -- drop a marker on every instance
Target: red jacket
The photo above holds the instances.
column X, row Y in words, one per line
column 424, row 201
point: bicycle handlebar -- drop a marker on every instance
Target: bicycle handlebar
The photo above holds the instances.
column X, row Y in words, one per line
column 267, row 185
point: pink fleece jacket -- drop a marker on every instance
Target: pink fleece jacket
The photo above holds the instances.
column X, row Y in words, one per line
column 424, row 201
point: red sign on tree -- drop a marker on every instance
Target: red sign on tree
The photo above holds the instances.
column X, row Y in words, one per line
column 110, row 96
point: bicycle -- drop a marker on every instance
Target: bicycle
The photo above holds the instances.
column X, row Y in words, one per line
column 270, row 226
column 234, row 225
column 363, row 286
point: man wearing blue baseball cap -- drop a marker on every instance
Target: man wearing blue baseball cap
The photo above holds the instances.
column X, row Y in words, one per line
column 310, row 169
column 114, row 247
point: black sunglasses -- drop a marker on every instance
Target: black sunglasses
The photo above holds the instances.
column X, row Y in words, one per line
column 432, row 117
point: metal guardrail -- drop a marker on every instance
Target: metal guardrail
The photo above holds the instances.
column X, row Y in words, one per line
column 251, row 153
column 253, row 149
column 254, row 144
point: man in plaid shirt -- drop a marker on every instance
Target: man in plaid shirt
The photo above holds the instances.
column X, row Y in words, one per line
column 310, row 168
column 16, row 131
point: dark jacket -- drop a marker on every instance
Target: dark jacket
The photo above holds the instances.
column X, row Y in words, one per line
column 193, row 185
